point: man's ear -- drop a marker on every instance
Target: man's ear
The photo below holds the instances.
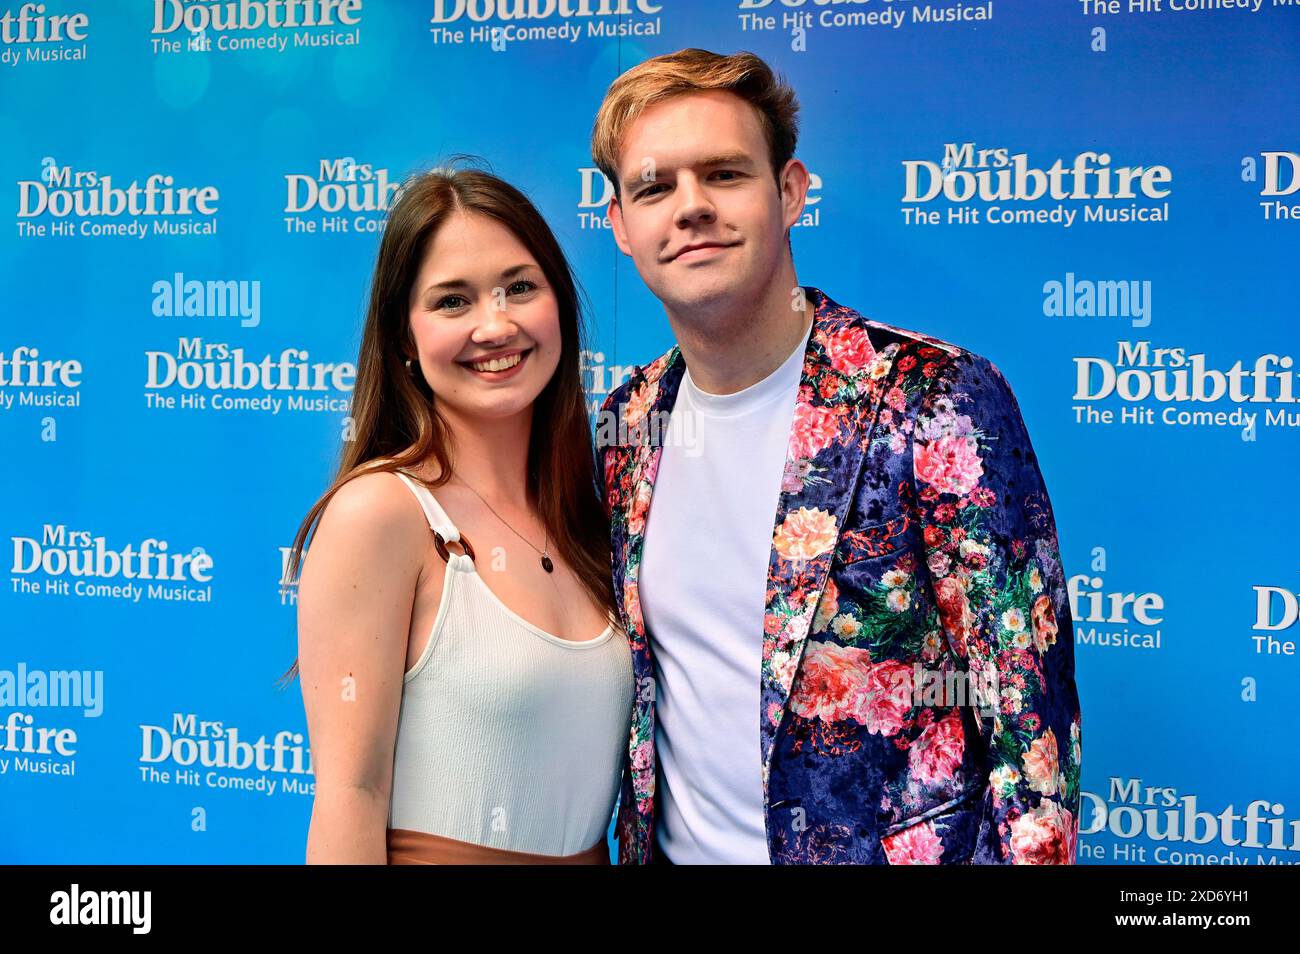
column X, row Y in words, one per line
column 615, row 214
column 794, row 191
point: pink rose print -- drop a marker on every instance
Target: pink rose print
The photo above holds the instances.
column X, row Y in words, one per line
column 812, row 431
column 837, row 683
column 830, row 681
column 954, row 612
column 939, row 563
column 1044, row 836
column 883, row 702
column 642, row 756
column 918, row 845
column 936, row 754
column 950, row 464
column 850, row 351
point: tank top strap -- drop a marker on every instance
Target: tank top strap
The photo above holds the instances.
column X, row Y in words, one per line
column 439, row 522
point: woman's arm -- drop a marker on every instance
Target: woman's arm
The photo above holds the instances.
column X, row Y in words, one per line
column 355, row 595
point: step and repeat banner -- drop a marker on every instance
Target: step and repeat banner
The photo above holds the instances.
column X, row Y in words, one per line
column 1101, row 196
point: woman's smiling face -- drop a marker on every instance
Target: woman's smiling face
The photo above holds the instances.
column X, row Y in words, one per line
column 484, row 319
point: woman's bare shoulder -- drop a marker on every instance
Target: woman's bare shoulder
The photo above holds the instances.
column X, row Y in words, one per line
column 374, row 516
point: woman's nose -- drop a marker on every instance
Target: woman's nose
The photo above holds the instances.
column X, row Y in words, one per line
column 495, row 322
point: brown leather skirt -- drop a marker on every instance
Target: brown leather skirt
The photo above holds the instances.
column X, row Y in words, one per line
column 407, row 847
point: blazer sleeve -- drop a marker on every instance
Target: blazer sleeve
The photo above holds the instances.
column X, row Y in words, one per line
column 998, row 587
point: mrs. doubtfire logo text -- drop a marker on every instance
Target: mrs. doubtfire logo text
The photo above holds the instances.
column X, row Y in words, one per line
column 994, row 186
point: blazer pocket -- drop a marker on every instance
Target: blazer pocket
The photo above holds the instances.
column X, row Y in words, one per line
column 923, row 838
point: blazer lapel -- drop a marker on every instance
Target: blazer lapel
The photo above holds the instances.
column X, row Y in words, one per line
column 840, row 392
column 647, row 431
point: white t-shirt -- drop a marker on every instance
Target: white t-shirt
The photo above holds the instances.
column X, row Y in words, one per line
column 703, row 584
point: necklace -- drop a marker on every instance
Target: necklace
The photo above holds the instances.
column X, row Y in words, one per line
column 547, row 565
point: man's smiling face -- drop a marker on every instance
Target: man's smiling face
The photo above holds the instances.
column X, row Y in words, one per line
column 700, row 212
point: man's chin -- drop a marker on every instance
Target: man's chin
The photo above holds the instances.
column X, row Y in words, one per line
column 699, row 292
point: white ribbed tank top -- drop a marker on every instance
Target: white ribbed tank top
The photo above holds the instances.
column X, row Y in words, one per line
column 508, row 736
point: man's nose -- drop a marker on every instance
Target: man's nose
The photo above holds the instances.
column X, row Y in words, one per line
column 693, row 201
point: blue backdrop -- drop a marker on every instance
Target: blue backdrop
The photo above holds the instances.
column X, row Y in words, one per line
column 149, row 145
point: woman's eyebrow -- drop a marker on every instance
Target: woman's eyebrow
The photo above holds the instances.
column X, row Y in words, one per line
column 462, row 283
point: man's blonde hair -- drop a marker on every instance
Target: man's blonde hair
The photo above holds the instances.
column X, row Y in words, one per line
column 689, row 71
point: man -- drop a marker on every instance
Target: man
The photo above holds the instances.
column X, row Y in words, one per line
column 848, row 524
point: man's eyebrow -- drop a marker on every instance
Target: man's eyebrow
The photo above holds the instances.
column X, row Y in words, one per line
column 510, row 272
column 727, row 159
column 708, row 162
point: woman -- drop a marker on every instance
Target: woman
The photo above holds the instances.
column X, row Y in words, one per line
column 467, row 688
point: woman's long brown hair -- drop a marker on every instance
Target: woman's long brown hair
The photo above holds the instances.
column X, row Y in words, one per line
column 395, row 414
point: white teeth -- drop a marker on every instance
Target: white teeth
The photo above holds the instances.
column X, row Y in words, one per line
column 498, row 364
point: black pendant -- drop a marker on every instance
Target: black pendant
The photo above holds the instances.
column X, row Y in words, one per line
column 547, row 565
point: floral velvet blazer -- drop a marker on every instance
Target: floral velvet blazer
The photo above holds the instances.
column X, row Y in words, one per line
column 918, row 695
